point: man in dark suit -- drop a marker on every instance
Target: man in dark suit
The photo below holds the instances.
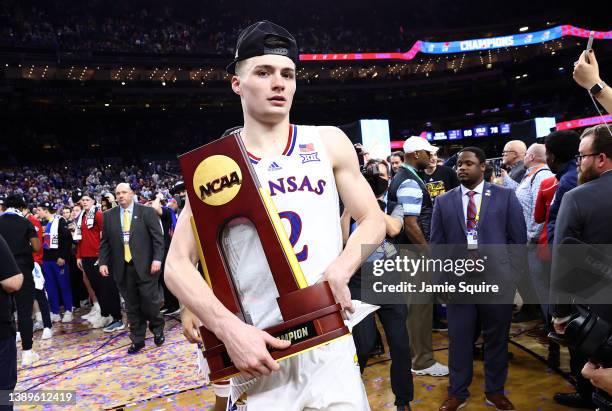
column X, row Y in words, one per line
column 132, row 248
column 474, row 214
column 584, row 215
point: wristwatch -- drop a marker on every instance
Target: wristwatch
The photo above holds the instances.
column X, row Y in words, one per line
column 596, row 89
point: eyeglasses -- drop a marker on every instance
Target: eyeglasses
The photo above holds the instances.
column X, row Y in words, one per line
column 579, row 157
column 508, row 152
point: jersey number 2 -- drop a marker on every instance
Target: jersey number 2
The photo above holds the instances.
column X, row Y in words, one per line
column 296, row 230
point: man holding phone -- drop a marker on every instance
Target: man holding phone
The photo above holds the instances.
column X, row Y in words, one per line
column 586, row 74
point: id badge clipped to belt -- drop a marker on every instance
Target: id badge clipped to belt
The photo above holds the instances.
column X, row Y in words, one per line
column 472, row 239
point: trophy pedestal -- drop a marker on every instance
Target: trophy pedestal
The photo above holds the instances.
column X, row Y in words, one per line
column 311, row 318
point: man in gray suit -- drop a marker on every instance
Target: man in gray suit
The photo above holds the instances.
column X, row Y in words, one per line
column 132, row 248
column 584, row 215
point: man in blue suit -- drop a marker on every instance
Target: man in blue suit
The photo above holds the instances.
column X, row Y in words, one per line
column 471, row 216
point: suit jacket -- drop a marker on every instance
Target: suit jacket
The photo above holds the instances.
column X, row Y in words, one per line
column 501, row 222
column 585, row 215
column 146, row 242
column 517, row 172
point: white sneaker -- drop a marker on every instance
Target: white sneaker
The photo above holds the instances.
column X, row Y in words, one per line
column 18, row 337
column 55, row 318
column 38, row 325
column 95, row 317
column 436, row 370
column 29, row 357
column 102, row 322
column 67, row 317
column 46, row 334
column 94, row 312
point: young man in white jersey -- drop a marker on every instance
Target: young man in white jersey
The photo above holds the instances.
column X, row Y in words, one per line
column 305, row 169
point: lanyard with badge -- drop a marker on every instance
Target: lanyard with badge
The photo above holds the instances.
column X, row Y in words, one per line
column 90, row 217
column 125, row 228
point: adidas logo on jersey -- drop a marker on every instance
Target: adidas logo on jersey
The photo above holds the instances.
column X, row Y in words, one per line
column 274, row 166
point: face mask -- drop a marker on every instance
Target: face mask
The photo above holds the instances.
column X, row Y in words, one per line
column 379, row 186
column 181, row 202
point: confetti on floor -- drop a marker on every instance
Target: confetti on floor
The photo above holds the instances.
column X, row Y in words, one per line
column 96, row 365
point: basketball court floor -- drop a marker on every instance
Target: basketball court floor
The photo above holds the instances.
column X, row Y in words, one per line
column 97, row 367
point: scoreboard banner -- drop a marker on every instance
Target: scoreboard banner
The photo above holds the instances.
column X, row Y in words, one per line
column 465, row 46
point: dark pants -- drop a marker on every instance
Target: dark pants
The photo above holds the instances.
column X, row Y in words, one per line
column 170, row 301
column 105, row 289
column 57, row 280
column 8, row 365
column 77, row 285
column 393, row 318
column 43, row 304
column 495, row 321
column 143, row 302
column 24, row 299
column 583, row 386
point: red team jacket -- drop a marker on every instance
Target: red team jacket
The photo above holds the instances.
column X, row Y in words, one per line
column 38, row 255
column 89, row 246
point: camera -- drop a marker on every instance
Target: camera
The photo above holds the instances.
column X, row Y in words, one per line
column 371, row 172
column 588, row 333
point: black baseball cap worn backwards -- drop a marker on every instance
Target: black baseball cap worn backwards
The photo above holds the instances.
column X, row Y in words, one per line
column 256, row 40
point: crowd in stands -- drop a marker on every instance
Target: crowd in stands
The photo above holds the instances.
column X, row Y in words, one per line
column 162, row 27
column 57, row 183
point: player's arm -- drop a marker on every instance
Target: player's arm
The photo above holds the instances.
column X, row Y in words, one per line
column 359, row 200
column 246, row 345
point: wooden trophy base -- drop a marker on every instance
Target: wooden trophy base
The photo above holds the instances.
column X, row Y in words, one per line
column 312, row 318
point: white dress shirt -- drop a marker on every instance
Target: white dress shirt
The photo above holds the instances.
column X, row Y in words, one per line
column 477, row 198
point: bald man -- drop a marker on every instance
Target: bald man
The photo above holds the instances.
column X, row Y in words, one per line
column 512, row 160
column 536, row 171
column 132, row 249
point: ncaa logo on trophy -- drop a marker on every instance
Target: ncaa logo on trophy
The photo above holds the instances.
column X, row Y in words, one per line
column 217, row 180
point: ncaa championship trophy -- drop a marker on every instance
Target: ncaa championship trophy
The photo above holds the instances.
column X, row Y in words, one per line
column 222, row 186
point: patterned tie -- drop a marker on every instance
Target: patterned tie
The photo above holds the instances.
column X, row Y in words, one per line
column 126, row 227
column 471, row 211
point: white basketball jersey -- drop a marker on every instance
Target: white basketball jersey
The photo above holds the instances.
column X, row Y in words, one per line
column 302, row 186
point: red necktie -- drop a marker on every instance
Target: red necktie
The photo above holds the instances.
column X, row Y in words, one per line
column 471, row 211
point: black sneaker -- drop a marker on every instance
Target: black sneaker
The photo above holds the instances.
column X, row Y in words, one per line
column 135, row 347
column 573, row 400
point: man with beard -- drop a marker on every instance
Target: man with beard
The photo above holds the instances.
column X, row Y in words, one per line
column 585, row 215
column 409, row 190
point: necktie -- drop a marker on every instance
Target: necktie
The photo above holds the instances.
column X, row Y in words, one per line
column 126, row 227
column 471, row 211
